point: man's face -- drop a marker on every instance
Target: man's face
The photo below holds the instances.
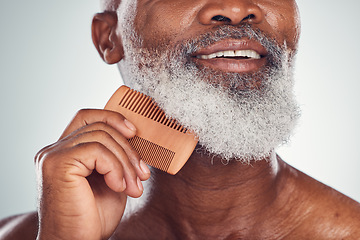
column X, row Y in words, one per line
column 222, row 68
column 162, row 23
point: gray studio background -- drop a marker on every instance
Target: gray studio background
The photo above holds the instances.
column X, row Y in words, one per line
column 49, row 69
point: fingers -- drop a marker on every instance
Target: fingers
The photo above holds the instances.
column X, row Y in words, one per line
column 119, row 127
column 82, row 174
column 92, row 151
column 90, row 156
column 122, row 164
column 97, row 140
column 108, row 132
column 85, row 117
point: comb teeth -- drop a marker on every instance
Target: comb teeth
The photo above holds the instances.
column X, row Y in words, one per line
column 146, row 106
column 160, row 141
column 151, row 153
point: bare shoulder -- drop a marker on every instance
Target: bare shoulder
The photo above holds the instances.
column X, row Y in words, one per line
column 22, row 226
column 329, row 214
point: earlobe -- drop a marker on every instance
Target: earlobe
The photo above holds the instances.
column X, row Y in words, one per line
column 105, row 37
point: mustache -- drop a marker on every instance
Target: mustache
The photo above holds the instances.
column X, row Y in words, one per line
column 223, row 32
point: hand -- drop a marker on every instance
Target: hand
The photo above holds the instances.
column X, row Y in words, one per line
column 86, row 176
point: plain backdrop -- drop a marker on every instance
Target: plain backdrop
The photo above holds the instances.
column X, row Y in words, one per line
column 49, row 69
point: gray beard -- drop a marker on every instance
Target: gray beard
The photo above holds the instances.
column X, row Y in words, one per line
column 232, row 119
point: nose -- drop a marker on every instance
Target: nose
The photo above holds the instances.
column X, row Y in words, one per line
column 232, row 12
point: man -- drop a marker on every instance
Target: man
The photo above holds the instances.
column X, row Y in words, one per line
column 223, row 69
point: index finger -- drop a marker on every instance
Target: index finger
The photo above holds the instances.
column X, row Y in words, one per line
column 85, row 117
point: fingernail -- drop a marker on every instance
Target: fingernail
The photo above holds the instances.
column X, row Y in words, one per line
column 123, row 184
column 144, row 168
column 129, row 125
column 140, row 186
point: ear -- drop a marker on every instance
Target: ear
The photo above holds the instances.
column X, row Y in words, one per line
column 105, row 38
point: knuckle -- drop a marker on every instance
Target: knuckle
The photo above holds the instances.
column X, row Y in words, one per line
column 82, row 112
column 42, row 154
column 94, row 146
column 102, row 135
column 39, row 155
column 135, row 155
column 44, row 162
column 120, row 116
column 117, row 116
column 100, row 126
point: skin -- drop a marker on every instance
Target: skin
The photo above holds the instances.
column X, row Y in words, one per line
column 206, row 199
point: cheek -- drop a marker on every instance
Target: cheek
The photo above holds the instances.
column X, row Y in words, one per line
column 285, row 23
column 164, row 21
column 292, row 27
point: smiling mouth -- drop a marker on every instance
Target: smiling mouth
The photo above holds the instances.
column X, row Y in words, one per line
column 232, row 54
column 240, row 56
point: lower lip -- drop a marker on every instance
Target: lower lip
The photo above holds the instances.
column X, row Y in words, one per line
column 233, row 65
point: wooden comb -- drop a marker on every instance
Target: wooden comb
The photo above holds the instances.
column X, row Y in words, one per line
column 160, row 141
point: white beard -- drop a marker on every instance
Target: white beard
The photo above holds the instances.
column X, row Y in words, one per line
column 230, row 123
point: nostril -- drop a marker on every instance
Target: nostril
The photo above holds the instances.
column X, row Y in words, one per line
column 221, row 18
column 250, row 16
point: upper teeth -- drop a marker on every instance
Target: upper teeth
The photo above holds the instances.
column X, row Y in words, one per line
column 232, row 53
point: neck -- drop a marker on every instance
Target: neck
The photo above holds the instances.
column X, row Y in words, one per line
column 207, row 192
